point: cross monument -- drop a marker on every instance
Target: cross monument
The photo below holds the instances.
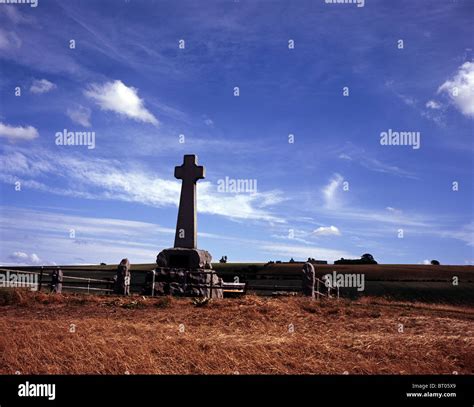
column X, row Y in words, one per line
column 186, row 229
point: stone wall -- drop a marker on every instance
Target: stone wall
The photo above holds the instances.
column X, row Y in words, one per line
column 184, row 283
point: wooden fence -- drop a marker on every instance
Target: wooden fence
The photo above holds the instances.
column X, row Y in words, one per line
column 261, row 283
column 68, row 282
column 402, row 282
column 96, row 285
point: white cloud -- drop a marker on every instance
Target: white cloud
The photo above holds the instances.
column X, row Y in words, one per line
column 117, row 97
column 330, row 191
column 18, row 133
column 80, row 115
column 19, row 255
column 426, row 261
column 42, row 86
column 460, row 89
column 433, row 104
column 327, row 231
column 209, row 122
column 24, row 258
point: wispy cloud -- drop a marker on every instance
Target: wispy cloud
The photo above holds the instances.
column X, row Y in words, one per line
column 80, row 115
column 57, row 223
column 9, row 40
column 433, row 104
column 362, row 157
column 41, row 86
column 331, row 191
column 406, row 99
column 62, row 238
column 393, row 210
column 108, row 179
column 96, row 239
column 432, row 110
column 16, row 16
column 380, row 217
column 464, row 234
column 378, row 166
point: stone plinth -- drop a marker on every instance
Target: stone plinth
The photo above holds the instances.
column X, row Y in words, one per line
column 184, row 283
column 183, row 258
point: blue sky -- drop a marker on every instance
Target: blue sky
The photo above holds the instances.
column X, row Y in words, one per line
column 334, row 192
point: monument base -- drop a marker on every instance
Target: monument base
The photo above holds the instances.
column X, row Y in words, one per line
column 183, row 258
column 183, row 283
column 184, row 272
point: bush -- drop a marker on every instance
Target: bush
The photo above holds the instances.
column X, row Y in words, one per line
column 163, row 302
column 12, row 296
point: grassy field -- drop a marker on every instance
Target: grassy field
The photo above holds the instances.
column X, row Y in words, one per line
column 72, row 334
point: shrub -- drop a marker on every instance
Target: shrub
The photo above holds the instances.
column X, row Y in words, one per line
column 11, row 296
column 163, row 302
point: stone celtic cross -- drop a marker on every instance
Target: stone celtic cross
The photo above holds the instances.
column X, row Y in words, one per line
column 186, row 229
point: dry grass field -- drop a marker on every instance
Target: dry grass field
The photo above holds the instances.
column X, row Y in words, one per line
column 73, row 334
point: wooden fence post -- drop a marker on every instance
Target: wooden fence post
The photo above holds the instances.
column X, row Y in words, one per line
column 41, row 279
column 212, row 278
